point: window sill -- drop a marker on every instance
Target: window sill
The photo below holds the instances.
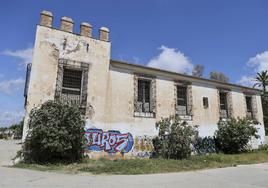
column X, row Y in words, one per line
column 144, row 114
column 224, row 119
column 185, row 117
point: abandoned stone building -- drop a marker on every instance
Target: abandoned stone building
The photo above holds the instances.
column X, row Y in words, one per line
column 123, row 98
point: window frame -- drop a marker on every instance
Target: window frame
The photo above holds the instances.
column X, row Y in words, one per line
column 145, row 83
column 76, row 66
column 205, row 102
column 183, row 98
column 139, row 105
column 64, row 90
column 251, row 116
column 225, row 104
column 189, row 99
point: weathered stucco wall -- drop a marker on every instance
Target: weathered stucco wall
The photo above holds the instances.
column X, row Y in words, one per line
column 121, row 105
column 52, row 44
column 110, row 89
column 259, row 109
column 239, row 104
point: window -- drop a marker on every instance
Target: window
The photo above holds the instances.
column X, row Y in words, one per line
column 249, row 106
column 72, row 81
column 144, row 96
column 71, row 86
column 181, row 100
column 205, row 102
column 144, row 87
column 223, row 105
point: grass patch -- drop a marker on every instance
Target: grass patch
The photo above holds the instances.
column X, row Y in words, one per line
column 150, row 166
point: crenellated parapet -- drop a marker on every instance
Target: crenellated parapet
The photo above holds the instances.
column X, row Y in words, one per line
column 67, row 25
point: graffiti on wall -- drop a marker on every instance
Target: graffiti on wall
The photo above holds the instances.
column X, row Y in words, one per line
column 143, row 146
column 110, row 141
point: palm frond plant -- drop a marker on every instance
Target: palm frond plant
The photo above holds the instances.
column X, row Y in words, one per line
column 261, row 80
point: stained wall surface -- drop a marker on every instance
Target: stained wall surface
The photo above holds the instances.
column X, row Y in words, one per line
column 110, row 93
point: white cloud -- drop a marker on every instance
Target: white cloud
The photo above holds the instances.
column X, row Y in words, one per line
column 257, row 63
column 246, row 81
column 10, row 86
column 172, row 60
column 24, row 54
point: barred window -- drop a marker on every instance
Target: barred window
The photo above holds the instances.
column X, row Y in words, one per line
column 249, row 106
column 181, row 100
column 144, row 94
column 223, row 105
column 71, row 85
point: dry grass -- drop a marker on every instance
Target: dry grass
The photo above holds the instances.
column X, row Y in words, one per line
column 150, row 166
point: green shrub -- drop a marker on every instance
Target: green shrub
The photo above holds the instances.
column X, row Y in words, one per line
column 205, row 145
column 17, row 129
column 55, row 134
column 266, row 124
column 175, row 138
column 234, row 135
column 265, row 111
column 263, row 147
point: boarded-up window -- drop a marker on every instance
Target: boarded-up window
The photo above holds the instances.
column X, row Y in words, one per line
column 144, row 87
column 181, row 100
column 223, row 105
column 249, row 106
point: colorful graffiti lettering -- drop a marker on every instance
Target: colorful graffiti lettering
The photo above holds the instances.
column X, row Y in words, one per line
column 110, row 141
column 143, row 147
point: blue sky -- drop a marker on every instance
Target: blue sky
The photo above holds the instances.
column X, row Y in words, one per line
column 227, row 36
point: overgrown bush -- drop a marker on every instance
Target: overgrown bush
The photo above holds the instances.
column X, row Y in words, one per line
column 233, row 135
column 55, row 134
column 17, row 129
column 175, row 138
column 266, row 125
column 263, row 147
column 265, row 112
column 205, row 145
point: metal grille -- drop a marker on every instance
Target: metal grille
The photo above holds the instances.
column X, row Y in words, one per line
column 71, row 86
column 144, row 87
column 72, row 81
column 223, row 105
column 182, row 100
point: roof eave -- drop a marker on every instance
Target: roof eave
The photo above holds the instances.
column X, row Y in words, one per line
column 175, row 75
